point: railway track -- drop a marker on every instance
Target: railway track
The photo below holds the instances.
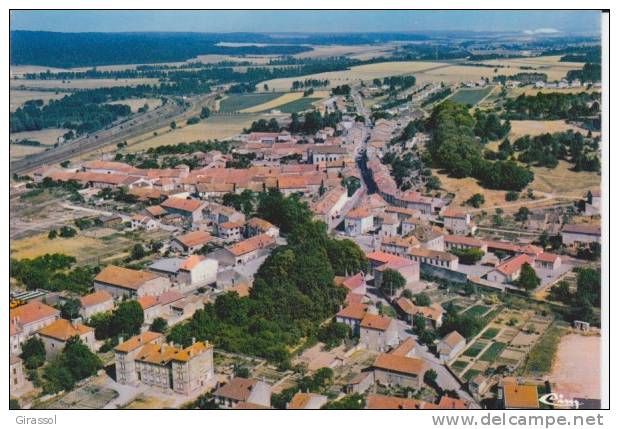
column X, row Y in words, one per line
column 126, row 129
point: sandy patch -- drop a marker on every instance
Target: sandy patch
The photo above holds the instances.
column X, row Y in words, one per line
column 576, row 371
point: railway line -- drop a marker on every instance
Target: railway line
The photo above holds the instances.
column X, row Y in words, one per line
column 135, row 125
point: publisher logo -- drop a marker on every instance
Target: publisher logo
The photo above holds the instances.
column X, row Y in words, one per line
column 557, row 400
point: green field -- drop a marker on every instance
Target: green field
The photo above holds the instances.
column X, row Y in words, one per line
column 298, row 105
column 236, row 102
column 490, row 333
column 470, row 374
column 459, row 365
column 493, row 352
column 470, row 96
column 477, row 311
column 474, row 350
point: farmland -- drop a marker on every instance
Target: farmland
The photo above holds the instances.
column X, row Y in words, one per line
column 298, row 105
column 471, row 96
column 238, row 102
column 18, row 98
column 78, row 83
column 216, row 127
column 47, row 138
column 365, row 72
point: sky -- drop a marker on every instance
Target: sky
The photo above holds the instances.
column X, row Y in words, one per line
column 307, row 21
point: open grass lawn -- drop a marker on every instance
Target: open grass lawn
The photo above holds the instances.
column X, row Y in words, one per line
column 493, row 352
column 238, row 102
column 474, row 350
column 298, row 105
column 477, row 310
column 471, row 96
column 490, row 333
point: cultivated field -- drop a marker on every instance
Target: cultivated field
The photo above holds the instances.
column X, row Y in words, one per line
column 79, row 83
column 18, row 98
column 288, row 103
column 216, row 127
column 47, row 138
column 19, row 71
column 274, row 102
column 534, row 128
column 213, row 58
column 456, row 74
column 529, row 90
column 550, row 65
column 563, row 181
column 239, row 102
column 355, row 74
column 360, row 52
column 471, row 96
column 136, row 103
column 299, row 105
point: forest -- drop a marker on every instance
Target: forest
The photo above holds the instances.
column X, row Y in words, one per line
column 91, row 49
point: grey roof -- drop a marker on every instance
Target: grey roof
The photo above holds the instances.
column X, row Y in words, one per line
column 168, row 265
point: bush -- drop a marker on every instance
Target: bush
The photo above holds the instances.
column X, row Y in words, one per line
column 511, row 196
column 468, row 256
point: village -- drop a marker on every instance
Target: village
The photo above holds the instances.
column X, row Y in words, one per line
column 427, row 301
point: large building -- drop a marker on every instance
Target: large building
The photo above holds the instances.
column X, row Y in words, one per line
column 243, row 391
column 187, row 273
column 56, row 335
column 26, row 319
column 124, row 282
column 146, row 359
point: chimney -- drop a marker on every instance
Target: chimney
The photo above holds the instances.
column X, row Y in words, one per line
column 193, row 340
column 121, row 339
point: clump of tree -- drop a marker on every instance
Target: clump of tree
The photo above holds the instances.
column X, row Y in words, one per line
column 125, row 320
column 455, row 148
column 33, row 353
column 528, row 279
column 332, row 334
column 53, row 272
column 547, row 149
column 293, row 291
column 350, row 402
column 590, row 72
column 552, row 106
column 75, row 363
column 391, row 282
column 469, row 256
